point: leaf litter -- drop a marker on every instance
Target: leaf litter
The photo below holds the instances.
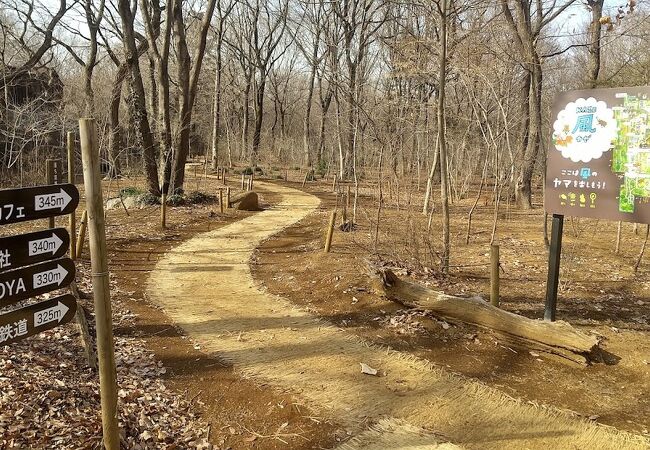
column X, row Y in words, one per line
column 49, row 397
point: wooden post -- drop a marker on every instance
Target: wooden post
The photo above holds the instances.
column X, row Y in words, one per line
column 221, row 200
column 49, row 176
column 494, row 275
column 330, row 232
column 163, row 211
column 228, row 197
column 81, row 237
column 223, row 175
column 242, row 181
column 100, row 278
column 334, row 184
column 252, row 179
column 72, row 219
column 554, row 255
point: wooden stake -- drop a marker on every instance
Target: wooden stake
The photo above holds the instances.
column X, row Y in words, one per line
column 72, row 219
column 163, row 211
column 494, row 275
column 243, row 177
column 334, row 184
column 252, row 179
column 100, row 278
column 81, row 237
column 221, row 200
column 330, row 232
column 49, row 176
column 228, row 197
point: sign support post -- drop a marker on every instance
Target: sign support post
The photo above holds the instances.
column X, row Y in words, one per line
column 554, row 255
column 71, row 179
column 101, row 288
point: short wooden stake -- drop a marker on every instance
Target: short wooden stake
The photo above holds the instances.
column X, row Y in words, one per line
column 243, row 177
column 100, row 279
column 72, row 218
column 228, row 197
column 330, row 232
column 163, row 211
column 223, row 176
column 221, row 200
column 81, row 236
column 494, row 275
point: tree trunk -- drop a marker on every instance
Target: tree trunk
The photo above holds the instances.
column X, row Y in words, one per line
column 553, row 337
column 139, row 98
column 442, row 140
column 593, row 62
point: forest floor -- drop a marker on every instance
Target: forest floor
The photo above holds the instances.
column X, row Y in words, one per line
column 243, row 407
column 269, row 339
column 599, row 294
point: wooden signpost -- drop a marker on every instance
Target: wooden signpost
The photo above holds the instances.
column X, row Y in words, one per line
column 25, row 322
column 30, row 281
column 33, row 248
column 40, row 202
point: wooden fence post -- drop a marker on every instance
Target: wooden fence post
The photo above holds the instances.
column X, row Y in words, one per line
column 330, row 232
column 242, row 181
column 228, row 197
column 100, row 279
column 163, row 211
column 221, row 208
column 72, row 219
column 81, row 236
column 494, row 274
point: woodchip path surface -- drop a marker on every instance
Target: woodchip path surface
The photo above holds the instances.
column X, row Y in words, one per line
column 206, row 287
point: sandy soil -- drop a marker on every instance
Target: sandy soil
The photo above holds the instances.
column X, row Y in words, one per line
column 206, row 287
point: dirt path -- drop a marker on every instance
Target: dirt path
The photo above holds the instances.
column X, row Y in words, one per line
column 205, row 286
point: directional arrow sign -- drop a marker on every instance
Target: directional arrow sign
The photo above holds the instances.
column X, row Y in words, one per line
column 31, row 248
column 22, row 323
column 16, row 285
column 19, row 205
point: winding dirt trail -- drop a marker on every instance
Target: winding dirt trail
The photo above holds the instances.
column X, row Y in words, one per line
column 206, row 287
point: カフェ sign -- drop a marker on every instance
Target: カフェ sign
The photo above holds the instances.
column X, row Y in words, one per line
column 598, row 162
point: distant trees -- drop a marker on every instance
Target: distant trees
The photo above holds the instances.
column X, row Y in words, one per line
column 297, row 82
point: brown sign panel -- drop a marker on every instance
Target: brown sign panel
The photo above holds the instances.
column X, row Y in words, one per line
column 598, row 162
column 25, row 322
column 32, row 248
column 19, row 284
column 40, row 202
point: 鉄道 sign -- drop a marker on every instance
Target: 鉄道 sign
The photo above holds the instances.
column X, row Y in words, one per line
column 19, row 205
column 33, row 319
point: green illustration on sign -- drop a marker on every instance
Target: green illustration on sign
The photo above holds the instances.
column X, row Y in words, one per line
column 631, row 153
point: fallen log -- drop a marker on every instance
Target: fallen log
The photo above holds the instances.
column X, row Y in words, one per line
column 246, row 201
column 558, row 338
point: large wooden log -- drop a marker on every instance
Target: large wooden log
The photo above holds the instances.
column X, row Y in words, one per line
column 558, row 338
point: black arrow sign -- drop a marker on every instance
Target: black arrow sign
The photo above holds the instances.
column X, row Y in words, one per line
column 16, row 285
column 19, row 205
column 25, row 322
column 31, row 248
